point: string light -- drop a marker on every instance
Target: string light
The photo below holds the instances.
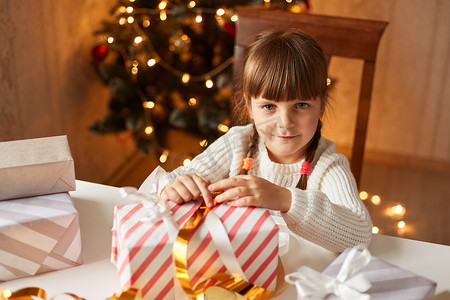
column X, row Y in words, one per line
column 223, row 128
column 328, row 81
column 186, row 162
column 6, row 293
column 398, row 210
column 192, row 4
column 122, row 9
column 151, row 62
column 203, row 143
column 137, row 40
column 130, row 19
column 234, row 18
column 363, row 195
column 192, row 101
column 163, row 15
column 162, row 5
column 149, row 104
column 375, row 229
column 146, row 22
column 376, row 200
column 401, row 224
column 148, row 130
column 199, row 17
column 209, row 83
column 122, row 21
column 185, row 78
column 134, row 70
column 220, row 12
column 164, row 156
column 129, row 9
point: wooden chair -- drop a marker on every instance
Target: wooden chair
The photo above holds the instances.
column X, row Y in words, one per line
column 338, row 36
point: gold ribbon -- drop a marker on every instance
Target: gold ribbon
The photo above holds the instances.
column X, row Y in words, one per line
column 30, row 292
column 234, row 284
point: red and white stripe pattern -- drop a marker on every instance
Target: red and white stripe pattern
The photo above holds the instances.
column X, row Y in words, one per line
column 37, row 235
column 143, row 252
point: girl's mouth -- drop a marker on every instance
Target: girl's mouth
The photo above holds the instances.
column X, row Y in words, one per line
column 286, row 137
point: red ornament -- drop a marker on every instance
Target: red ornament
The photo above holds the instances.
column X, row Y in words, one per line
column 230, row 29
column 99, row 52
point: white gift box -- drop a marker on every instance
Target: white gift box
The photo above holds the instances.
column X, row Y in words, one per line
column 36, row 167
column 355, row 274
column 142, row 251
column 38, row 234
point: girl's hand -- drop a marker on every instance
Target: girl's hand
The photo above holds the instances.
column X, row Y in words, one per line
column 248, row 190
column 186, row 188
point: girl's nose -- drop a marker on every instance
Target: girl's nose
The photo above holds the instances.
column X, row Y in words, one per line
column 285, row 120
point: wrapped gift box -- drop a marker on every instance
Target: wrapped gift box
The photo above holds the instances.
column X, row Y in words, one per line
column 36, row 167
column 143, row 251
column 37, row 235
column 388, row 281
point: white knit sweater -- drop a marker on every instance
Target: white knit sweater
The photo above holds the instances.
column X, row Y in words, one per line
column 328, row 213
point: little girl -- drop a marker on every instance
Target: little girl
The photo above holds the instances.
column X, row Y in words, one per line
column 280, row 161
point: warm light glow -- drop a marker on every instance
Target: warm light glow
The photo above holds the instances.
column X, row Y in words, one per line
column 148, row 130
column 149, row 104
column 163, row 15
column 135, row 63
column 192, row 4
column 134, row 70
column 209, row 83
column 151, row 62
column 401, row 224
column 146, row 23
column 220, row 12
column 137, row 40
column 122, row 9
column 162, row 5
column 376, row 200
column 398, row 210
column 185, row 78
column 363, row 195
column 130, row 20
column 222, row 127
column 129, row 9
column 198, row 18
column 375, row 229
column 110, row 40
column 267, row 1
column 203, row 143
column 192, row 101
column 289, row 1
column 295, row 8
column 122, row 21
column 186, row 162
column 6, row 293
column 234, row 18
column 164, row 156
column 328, row 81
column 132, row 0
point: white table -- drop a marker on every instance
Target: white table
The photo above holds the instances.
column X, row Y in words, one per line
column 97, row 278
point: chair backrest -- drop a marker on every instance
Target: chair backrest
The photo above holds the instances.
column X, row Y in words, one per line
column 338, row 36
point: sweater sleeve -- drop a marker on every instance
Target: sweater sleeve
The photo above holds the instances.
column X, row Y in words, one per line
column 331, row 215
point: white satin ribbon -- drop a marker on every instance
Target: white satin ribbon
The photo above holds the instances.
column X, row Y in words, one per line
column 223, row 245
column 313, row 285
column 156, row 210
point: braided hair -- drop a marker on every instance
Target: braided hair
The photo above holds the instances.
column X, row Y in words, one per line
column 282, row 66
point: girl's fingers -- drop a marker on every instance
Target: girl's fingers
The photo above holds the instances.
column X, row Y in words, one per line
column 202, row 185
column 227, row 183
column 233, row 193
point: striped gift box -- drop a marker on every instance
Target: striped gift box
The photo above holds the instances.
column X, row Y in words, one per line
column 37, row 235
column 389, row 282
column 142, row 251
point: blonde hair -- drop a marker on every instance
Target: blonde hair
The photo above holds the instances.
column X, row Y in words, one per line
column 282, row 66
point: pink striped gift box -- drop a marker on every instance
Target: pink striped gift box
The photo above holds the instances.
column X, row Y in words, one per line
column 38, row 234
column 142, row 251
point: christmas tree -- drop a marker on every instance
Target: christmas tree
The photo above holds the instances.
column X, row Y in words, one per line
column 168, row 64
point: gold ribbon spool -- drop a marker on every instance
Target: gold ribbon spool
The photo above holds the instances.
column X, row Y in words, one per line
column 238, row 285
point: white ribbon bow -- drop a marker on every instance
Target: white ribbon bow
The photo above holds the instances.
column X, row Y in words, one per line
column 156, row 210
column 313, row 285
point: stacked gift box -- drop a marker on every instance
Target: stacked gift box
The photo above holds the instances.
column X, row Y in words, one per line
column 39, row 226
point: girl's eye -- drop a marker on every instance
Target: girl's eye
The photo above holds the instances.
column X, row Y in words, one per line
column 268, row 107
column 302, row 105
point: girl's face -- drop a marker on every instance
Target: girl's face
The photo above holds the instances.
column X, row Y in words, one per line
column 286, row 127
